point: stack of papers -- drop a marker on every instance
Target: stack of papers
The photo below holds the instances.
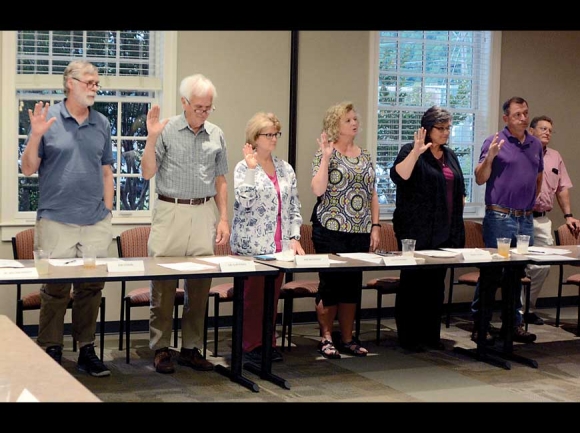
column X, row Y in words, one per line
column 440, row 254
column 367, row 257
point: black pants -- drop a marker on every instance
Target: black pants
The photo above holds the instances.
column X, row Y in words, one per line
column 419, row 306
column 339, row 287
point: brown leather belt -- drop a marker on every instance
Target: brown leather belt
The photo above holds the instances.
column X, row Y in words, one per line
column 508, row 210
column 191, row 201
column 539, row 214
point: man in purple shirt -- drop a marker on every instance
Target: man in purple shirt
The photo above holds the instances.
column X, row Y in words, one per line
column 510, row 165
column 555, row 185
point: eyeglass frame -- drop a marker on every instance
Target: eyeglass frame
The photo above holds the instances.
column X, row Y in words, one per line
column 96, row 84
column 199, row 110
column 271, row 135
column 443, row 128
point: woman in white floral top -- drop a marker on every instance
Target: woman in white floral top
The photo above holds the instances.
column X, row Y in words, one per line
column 266, row 219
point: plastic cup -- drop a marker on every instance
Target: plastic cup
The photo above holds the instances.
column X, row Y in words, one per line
column 408, row 246
column 41, row 258
column 503, row 247
column 523, row 244
column 89, row 257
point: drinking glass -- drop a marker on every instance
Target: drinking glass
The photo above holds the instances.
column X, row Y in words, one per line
column 503, row 247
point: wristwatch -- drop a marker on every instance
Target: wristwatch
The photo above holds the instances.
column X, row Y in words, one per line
column 568, row 215
column 296, row 238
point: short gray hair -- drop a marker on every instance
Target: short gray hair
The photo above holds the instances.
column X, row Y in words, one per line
column 75, row 69
column 197, row 85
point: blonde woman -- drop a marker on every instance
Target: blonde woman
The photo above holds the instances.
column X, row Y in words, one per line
column 266, row 219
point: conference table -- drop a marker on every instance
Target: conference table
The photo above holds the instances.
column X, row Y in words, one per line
column 346, row 263
column 155, row 268
column 32, row 373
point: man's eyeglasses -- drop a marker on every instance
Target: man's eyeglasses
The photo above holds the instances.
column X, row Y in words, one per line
column 89, row 83
column 272, row 135
column 443, row 128
column 546, row 129
column 198, row 110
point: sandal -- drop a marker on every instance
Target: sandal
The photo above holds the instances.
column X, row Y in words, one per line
column 353, row 348
column 327, row 349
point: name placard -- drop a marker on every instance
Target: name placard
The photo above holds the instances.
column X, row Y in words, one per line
column 312, row 260
column 399, row 260
column 126, row 266
column 18, row 273
column 238, row 265
column 476, row 255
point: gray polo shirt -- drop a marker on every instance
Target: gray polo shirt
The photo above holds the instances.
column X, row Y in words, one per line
column 70, row 175
column 188, row 163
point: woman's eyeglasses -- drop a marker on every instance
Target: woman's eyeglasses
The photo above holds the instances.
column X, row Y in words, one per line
column 443, row 128
column 272, row 135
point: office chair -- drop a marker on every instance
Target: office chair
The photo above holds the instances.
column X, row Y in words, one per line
column 563, row 236
column 383, row 285
column 22, row 249
column 474, row 239
column 292, row 289
column 220, row 293
column 133, row 243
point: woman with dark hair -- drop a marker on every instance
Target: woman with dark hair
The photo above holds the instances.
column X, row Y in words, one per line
column 429, row 209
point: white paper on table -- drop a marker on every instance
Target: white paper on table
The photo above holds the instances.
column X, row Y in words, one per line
column 66, row 262
column 331, row 261
column 218, row 259
column 437, row 253
column 367, row 257
column 10, row 264
column 548, row 257
column 285, row 256
column 78, row 261
column 546, row 250
column 27, row 397
column 186, row 266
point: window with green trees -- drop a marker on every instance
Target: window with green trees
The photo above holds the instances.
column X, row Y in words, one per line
column 419, row 69
column 129, row 63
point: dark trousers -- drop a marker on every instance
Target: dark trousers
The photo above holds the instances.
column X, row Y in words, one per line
column 419, row 306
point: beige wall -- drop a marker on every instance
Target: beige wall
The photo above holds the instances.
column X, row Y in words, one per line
column 251, row 73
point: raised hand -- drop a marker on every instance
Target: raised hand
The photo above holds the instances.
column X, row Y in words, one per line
column 419, row 137
column 38, row 123
column 495, row 147
column 325, row 145
column 154, row 126
column 250, row 156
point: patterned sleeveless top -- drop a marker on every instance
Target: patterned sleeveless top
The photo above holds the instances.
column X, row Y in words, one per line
column 345, row 206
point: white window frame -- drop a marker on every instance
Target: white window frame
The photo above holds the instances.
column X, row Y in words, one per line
column 475, row 209
column 11, row 219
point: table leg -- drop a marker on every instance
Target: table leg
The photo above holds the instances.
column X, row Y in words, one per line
column 481, row 352
column 234, row 372
column 265, row 371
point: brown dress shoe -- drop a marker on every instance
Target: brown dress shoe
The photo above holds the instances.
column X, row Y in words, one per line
column 163, row 362
column 193, row 358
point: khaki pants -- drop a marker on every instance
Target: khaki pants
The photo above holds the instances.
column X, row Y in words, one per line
column 179, row 230
column 539, row 273
column 64, row 241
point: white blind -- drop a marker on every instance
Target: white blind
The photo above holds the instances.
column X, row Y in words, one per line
column 115, row 52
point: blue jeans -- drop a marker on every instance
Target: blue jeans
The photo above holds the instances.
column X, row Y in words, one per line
column 501, row 225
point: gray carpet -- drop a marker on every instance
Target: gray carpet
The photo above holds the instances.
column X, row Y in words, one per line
column 387, row 374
